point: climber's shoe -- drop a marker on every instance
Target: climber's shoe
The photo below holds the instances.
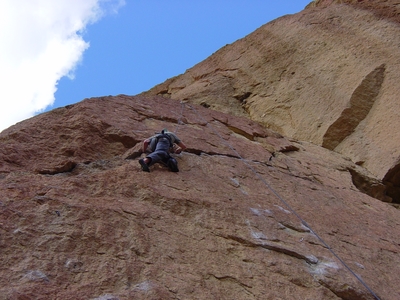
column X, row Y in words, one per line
column 145, row 167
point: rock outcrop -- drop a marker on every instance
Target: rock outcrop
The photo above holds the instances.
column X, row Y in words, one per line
column 250, row 215
column 327, row 75
column 289, row 187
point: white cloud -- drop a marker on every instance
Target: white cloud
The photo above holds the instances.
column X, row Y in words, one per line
column 40, row 42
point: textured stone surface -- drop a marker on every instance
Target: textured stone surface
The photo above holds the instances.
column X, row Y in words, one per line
column 80, row 220
column 252, row 214
column 328, row 75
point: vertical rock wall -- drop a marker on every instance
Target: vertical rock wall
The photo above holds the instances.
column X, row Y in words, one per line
column 328, row 75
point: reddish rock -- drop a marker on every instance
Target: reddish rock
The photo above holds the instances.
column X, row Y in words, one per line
column 289, row 187
column 328, row 75
column 250, row 215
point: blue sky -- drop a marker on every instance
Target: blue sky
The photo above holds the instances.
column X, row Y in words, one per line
column 68, row 50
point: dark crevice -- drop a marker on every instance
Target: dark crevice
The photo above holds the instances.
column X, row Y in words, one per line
column 125, row 140
column 289, row 148
column 278, row 248
column 241, row 132
column 242, row 97
column 274, row 247
column 194, row 151
column 233, row 280
column 370, row 186
column 205, row 104
column 67, row 167
column 387, row 190
column 361, row 102
column 211, row 153
column 392, row 182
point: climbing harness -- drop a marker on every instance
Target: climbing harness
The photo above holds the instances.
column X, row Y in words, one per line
column 163, row 135
column 286, row 204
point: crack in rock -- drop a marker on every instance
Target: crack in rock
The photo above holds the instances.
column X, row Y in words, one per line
column 311, row 259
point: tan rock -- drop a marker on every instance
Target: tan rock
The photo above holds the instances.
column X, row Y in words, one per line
column 328, row 75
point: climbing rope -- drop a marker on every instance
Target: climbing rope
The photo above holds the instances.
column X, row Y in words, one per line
column 286, row 204
column 179, row 121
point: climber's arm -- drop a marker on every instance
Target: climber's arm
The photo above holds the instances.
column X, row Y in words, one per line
column 146, row 143
column 181, row 147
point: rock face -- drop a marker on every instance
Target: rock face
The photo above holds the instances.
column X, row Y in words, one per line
column 328, row 75
column 250, row 215
column 289, row 187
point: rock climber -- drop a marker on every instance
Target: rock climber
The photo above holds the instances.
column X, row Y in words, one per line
column 159, row 148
